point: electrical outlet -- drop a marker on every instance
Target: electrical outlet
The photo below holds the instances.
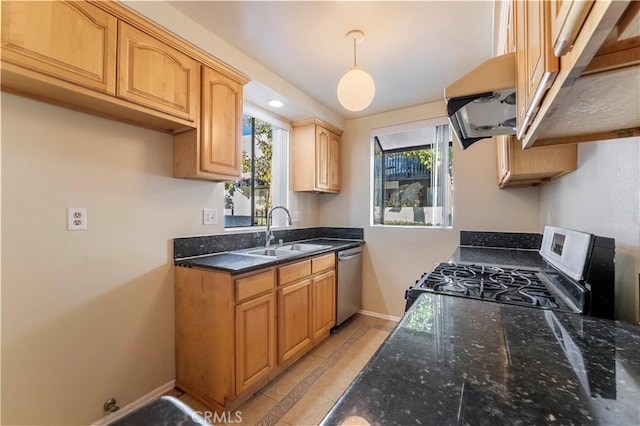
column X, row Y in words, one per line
column 297, row 216
column 209, row 216
column 76, row 219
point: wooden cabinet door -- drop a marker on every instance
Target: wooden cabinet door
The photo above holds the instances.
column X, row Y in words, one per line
column 540, row 65
column 70, row 40
column 294, row 319
column 324, row 303
column 502, row 157
column 221, row 139
column 567, row 17
column 334, row 162
column 255, row 340
column 520, row 21
column 322, row 158
column 155, row 75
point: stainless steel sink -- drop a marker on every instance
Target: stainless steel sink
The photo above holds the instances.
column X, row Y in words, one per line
column 270, row 252
column 282, row 251
column 304, row 247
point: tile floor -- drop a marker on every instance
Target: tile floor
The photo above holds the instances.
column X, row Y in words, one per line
column 307, row 390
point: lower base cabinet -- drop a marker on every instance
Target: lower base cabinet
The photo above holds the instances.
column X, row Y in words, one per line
column 255, row 341
column 324, row 307
column 294, row 325
column 236, row 333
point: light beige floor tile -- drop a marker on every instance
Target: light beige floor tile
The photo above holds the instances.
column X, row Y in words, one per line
column 332, row 384
column 350, row 365
column 329, row 346
column 281, row 386
column 255, row 408
column 309, row 410
column 304, row 366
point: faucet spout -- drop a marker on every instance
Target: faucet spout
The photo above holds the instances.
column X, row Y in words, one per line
column 269, row 234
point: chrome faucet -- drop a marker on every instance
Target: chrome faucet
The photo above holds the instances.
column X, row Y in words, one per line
column 269, row 234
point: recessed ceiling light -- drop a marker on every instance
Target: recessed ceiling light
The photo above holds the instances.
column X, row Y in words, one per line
column 275, row 103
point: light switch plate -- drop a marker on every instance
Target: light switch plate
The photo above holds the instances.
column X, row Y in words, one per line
column 76, row 219
column 209, row 216
column 297, row 216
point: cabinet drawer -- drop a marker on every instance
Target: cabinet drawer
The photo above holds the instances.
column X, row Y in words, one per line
column 322, row 263
column 254, row 285
column 293, row 272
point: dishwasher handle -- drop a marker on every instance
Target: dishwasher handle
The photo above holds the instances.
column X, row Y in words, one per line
column 349, row 254
column 353, row 256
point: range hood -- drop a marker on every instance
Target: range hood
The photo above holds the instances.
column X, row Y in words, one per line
column 482, row 103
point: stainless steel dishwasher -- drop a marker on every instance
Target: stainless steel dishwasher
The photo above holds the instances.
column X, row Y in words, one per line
column 349, row 288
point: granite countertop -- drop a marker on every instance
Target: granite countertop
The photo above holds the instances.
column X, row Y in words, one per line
column 454, row 360
column 514, row 249
column 239, row 263
column 498, row 256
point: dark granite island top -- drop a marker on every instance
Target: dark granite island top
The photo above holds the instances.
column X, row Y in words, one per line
column 460, row 361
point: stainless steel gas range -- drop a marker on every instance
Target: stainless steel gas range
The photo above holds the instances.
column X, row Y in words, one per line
column 576, row 274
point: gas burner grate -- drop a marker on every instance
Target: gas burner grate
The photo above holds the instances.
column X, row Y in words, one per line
column 515, row 286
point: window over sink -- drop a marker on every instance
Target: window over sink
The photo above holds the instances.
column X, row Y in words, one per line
column 265, row 172
column 412, row 175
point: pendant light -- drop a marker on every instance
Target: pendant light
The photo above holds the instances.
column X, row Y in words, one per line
column 356, row 88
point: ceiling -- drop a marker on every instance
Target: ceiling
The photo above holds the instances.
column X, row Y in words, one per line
column 411, row 49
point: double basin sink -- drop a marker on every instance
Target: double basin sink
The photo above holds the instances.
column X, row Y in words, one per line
column 285, row 250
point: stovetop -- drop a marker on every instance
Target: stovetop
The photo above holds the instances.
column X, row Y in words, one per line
column 522, row 287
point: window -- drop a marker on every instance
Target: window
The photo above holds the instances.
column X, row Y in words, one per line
column 264, row 174
column 412, row 180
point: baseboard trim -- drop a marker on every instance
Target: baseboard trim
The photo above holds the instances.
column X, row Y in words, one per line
column 377, row 315
column 143, row 400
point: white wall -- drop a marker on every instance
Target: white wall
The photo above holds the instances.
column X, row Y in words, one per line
column 603, row 197
column 396, row 256
column 87, row 315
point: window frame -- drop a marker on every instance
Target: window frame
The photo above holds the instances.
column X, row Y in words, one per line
column 279, row 182
column 404, row 127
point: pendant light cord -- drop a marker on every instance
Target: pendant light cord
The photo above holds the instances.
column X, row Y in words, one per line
column 354, row 53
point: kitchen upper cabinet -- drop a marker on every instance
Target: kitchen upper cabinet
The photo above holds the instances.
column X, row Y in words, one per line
column 72, row 41
column 255, row 341
column 591, row 91
column 102, row 58
column 567, row 17
column 537, row 65
column 315, row 151
column 214, row 150
column 533, row 166
column 155, row 75
column 334, row 162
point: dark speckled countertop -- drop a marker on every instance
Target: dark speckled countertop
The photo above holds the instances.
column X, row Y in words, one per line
column 498, row 256
column 239, row 263
column 460, row 361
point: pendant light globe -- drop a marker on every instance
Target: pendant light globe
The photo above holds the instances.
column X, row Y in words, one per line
column 356, row 89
